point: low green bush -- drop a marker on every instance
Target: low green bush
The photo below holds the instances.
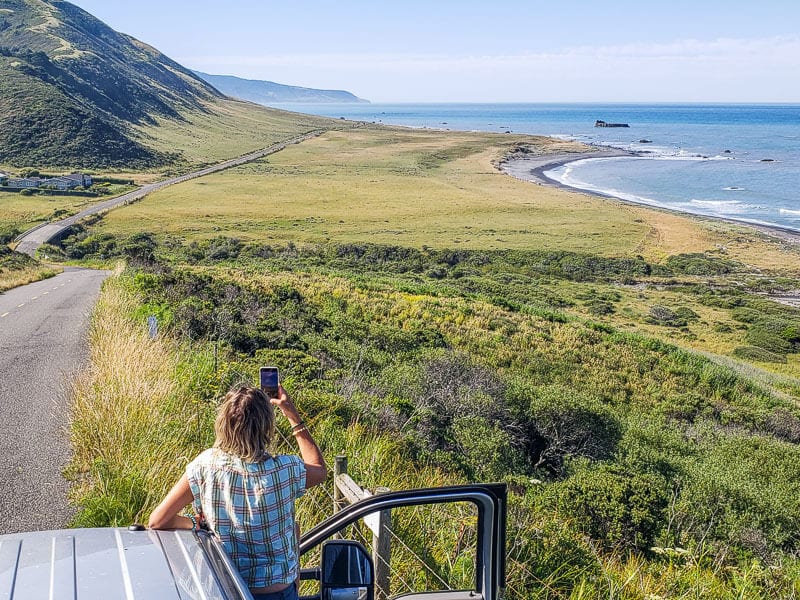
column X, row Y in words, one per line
column 769, row 341
column 759, row 354
column 701, row 264
column 616, row 507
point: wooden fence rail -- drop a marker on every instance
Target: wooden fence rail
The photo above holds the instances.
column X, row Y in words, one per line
column 346, row 491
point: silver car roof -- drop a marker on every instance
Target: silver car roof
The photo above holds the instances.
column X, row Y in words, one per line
column 112, row 563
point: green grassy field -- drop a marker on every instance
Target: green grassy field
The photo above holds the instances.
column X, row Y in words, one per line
column 227, row 128
column 441, row 190
column 386, row 186
column 418, row 188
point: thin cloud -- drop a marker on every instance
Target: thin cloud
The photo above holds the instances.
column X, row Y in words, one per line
column 784, row 49
column 733, row 70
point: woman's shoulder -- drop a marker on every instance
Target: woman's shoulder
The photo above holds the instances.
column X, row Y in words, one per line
column 279, row 462
column 286, row 459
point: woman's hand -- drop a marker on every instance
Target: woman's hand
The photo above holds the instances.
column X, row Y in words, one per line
column 286, row 406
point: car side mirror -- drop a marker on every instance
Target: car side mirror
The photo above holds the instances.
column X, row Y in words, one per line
column 346, row 572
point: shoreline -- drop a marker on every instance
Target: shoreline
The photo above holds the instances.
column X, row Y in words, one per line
column 531, row 168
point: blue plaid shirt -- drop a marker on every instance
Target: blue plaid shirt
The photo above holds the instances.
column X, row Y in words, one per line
column 250, row 506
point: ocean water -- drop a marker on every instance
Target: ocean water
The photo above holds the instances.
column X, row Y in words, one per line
column 733, row 161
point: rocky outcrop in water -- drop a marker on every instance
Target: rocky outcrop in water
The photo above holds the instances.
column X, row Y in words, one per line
column 600, row 123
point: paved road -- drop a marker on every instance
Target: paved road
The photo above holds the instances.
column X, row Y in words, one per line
column 31, row 240
column 43, row 330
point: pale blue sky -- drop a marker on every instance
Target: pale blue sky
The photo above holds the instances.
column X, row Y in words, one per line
column 469, row 51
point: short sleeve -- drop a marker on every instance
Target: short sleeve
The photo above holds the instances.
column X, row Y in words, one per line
column 194, row 474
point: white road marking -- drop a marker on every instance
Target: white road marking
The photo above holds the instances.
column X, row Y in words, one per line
column 45, row 294
column 3, row 315
column 34, row 298
column 20, row 305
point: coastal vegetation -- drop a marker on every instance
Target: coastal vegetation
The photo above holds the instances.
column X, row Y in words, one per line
column 628, row 372
column 624, row 370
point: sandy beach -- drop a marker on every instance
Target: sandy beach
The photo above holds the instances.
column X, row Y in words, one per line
column 532, row 168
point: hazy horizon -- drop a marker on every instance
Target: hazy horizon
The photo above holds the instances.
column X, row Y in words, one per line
column 472, row 52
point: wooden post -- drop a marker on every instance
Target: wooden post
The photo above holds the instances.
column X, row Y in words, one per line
column 339, row 500
column 339, row 468
column 382, row 550
column 346, row 491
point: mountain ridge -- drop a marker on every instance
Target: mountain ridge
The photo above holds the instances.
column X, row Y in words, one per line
column 73, row 88
column 265, row 92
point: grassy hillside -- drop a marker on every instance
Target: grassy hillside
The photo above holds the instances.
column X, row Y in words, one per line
column 72, row 87
column 223, row 129
column 77, row 94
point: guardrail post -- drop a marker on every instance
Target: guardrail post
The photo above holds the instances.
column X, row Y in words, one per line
column 339, row 468
column 382, row 550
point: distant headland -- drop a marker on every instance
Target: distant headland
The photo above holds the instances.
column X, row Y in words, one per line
column 269, row 92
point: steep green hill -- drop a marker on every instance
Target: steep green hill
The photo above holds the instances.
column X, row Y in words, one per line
column 72, row 88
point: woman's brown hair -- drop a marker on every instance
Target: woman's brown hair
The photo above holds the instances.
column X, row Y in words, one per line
column 245, row 423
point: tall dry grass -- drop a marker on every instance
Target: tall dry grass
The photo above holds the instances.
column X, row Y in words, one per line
column 133, row 428
column 11, row 278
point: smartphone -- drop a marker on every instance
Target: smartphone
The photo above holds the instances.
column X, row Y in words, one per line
column 269, row 381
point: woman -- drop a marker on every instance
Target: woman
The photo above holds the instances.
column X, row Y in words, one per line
column 247, row 495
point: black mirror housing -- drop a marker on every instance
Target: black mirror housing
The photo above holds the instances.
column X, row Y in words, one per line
column 347, row 571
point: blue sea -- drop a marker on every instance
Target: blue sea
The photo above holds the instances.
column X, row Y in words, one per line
column 737, row 161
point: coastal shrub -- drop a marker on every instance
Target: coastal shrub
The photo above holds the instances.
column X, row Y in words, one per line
column 729, row 299
column 296, row 366
column 745, row 314
column 84, row 245
column 8, row 233
column 687, row 314
column 222, row 248
column 599, row 307
column 661, row 315
column 758, row 354
column 562, row 423
column 488, row 450
column 616, row 507
column 698, row 263
column 139, row 249
column 599, row 302
column 763, row 338
column 784, row 425
column 730, row 499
